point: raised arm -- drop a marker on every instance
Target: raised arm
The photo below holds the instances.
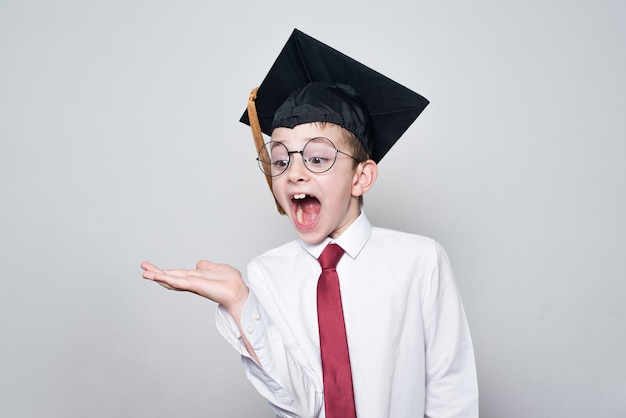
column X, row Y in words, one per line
column 220, row 283
column 285, row 381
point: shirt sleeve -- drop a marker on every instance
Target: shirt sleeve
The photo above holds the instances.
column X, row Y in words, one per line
column 451, row 383
column 286, row 383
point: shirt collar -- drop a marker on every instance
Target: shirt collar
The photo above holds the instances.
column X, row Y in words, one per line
column 352, row 240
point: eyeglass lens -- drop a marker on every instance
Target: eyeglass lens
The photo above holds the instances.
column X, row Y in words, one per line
column 318, row 155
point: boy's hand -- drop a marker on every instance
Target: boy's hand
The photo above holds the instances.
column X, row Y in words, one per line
column 219, row 282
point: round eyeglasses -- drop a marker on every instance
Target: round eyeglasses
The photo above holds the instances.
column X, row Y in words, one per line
column 318, row 156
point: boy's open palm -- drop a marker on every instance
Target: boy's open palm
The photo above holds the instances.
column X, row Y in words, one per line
column 221, row 283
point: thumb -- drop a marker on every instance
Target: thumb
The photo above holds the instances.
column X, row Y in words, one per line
column 204, row 265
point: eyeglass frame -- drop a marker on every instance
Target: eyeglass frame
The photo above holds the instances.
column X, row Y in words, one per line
column 337, row 151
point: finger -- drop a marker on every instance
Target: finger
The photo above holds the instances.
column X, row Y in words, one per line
column 167, row 286
column 150, row 267
column 194, row 283
column 172, row 282
column 204, row 265
column 180, row 273
column 162, row 279
column 153, row 272
column 148, row 275
column 173, row 272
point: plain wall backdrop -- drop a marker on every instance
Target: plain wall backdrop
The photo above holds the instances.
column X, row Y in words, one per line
column 120, row 142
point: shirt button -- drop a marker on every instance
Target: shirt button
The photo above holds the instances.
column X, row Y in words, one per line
column 249, row 329
column 256, row 316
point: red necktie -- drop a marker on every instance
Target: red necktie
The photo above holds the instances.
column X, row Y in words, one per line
column 338, row 393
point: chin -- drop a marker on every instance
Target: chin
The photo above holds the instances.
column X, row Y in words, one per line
column 311, row 237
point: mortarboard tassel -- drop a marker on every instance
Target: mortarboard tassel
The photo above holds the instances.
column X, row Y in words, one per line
column 257, row 135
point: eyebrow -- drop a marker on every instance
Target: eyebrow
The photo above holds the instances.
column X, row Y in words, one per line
column 306, row 139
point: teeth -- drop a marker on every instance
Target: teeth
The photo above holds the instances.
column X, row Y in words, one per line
column 299, row 211
column 299, row 215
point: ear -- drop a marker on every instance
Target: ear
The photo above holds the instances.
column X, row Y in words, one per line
column 364, row 178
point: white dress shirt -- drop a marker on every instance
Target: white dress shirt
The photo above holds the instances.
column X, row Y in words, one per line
column 410, row 348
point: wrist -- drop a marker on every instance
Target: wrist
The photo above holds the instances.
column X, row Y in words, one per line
column 236, row 307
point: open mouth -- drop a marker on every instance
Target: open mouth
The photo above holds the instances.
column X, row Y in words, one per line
column 306, row 209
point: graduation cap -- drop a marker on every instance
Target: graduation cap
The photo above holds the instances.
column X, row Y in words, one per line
column 312, row 82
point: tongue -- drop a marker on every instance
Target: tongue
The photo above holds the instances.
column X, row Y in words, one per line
column 307, row 211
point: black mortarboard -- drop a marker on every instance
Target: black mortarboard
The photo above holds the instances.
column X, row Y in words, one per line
column 312, row 82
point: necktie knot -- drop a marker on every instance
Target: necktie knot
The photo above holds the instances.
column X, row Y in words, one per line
column 330, row 256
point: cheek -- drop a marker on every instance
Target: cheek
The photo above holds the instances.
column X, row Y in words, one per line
column 341, row 193
column 276, row 186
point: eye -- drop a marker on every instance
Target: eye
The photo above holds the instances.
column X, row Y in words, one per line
column 317, row 160
column 280, row 163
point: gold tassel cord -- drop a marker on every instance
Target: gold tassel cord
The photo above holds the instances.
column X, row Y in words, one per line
column 257, row 135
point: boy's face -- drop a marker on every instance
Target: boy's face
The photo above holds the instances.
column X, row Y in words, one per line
column 318, row 204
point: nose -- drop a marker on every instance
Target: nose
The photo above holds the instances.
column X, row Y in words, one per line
column 296, row 171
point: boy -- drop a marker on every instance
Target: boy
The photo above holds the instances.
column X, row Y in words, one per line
column 380, row 330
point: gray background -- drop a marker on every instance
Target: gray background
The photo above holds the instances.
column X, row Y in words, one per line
column 120, row 143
